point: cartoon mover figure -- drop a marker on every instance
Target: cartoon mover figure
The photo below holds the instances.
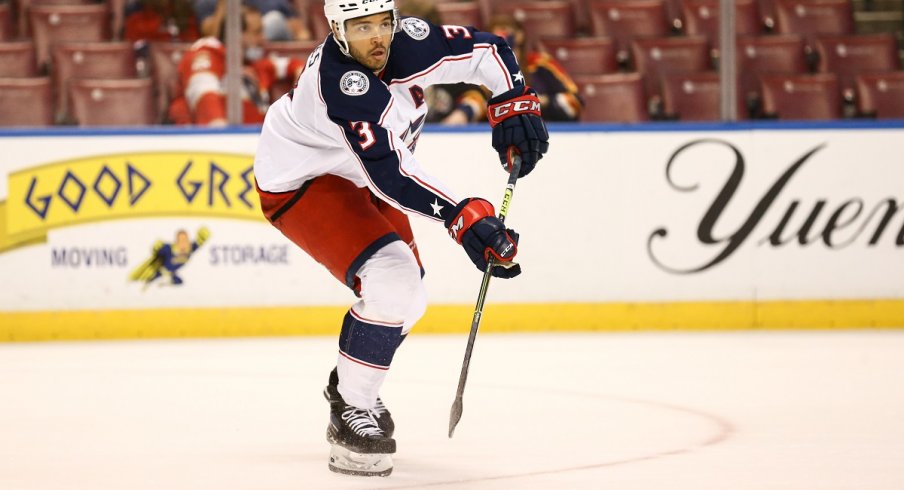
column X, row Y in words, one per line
column 168, row 258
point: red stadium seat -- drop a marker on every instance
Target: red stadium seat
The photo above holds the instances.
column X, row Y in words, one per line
column 550, row 18
column 291, row 49
column 165, row 58
column 881, row 94
column 674, row 15
column 797, row 97
column 461, row 14
column 654, row 58
column 625, row 20
column 25, row 102
column 581, row 10
column 701, row 18
column 76, row 60
column 583, row 56
column 847, row 56
column 695, row 97
column 6, row 22
column 61, row 23
column 23, row 6
column 767, row 13
column 127, row 102
column 17, row 59
column 117, row 18
column 320, row 28
column 613, row 98
column 811, row 18
column 764, row 55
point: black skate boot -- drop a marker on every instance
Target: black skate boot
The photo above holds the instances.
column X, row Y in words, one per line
column 359, row 446
column 380, row 412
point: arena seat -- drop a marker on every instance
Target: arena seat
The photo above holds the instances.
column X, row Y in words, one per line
column 17, row 59
column 881, row 94
column 60, row 23
column 613, row 98
column 319, row 26
column 674, row 15
column 847, row 56
column 767, row 13
column 550, row 18
column 102, row 102
column 6, row 22
column 581, row 11
column 23, row 7
column 291, row 49
column 701, row 18
column 25, row 102
column 625, row 20
column 656, row 57
column 811, row 18
column 695, row 97
column 74, row 60
column 583, row 56
column 461, row 14
column 801, row 97
column 779, row 54
column 165, row 58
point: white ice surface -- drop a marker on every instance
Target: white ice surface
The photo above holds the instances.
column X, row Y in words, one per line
column 754, row 410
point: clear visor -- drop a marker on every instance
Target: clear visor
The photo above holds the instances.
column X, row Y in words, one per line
column 371, row 26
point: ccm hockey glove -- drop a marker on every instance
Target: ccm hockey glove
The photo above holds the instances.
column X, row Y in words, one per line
column 515, row 118
column 474, row 226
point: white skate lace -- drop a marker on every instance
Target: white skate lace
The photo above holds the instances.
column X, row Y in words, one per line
column 379, row 409
column 361, row 422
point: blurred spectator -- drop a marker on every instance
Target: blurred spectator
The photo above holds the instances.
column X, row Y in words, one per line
column 160, row 20
column 452, row 104
column 557, row 91
column 201, row 98
column 280, row 21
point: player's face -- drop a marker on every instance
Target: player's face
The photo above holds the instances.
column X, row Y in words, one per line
column 182, row 242
column 368, row 39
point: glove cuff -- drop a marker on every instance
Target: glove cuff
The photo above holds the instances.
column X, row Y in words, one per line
column 520, row 100
column 465, row 214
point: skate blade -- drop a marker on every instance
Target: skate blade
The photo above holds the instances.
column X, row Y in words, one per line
column 349, row 462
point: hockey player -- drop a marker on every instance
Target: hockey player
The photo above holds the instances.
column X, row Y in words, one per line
column 336, row 175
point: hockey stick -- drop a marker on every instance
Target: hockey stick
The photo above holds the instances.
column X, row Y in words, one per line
column 481, row 296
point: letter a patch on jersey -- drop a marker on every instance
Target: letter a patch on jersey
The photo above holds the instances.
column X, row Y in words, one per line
column 354, row 83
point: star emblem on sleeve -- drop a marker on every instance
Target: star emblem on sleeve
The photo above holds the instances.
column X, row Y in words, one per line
column 518, row 77
column 436, row 207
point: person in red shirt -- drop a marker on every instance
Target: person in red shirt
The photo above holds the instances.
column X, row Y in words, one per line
column 201, row 96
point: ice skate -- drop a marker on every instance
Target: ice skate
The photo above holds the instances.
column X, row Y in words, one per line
column 360, row 447
column 380, row 412
column 348, row 462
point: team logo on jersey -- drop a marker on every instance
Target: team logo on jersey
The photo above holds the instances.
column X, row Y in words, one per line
column 354, row 83
column 416, row 28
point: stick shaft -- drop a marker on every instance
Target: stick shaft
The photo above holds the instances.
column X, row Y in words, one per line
column 457, row 406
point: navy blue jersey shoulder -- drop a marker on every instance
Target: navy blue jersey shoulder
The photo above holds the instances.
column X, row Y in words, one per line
column 351, row 91
column 419, row 45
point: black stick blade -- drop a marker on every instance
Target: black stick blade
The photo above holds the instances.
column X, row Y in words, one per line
column 455, row 416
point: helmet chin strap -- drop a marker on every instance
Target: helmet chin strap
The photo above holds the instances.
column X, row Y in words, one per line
column 339, row 37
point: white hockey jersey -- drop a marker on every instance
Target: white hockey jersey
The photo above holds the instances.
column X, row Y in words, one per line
column 345, row 120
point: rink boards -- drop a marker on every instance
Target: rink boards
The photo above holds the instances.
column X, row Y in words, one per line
column 710, row 227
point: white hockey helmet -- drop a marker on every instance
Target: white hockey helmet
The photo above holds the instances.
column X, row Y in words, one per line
column 339, row 11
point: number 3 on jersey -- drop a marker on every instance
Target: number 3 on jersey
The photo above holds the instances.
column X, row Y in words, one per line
column 365, row 132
